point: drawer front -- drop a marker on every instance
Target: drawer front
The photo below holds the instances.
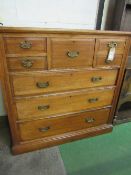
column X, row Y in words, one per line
column 53, row 82
column 25, row 45
column 63, row 103
column 101, row 61
column 27, row 63
column 48, row 127
column 72, row 53
column 103, row 47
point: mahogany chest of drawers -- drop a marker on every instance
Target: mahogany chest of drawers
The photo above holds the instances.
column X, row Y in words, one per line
column 60, row 85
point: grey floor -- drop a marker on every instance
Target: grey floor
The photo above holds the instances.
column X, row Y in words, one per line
column 42, row 162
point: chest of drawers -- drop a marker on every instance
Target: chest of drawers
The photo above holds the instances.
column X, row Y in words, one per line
column 60, row 85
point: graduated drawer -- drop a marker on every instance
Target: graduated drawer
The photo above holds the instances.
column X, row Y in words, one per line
column 25, row 45
column 54, row 104
column 103, row 46
column 71, row 53
column 26, row 63
column 49, row 127
column 36, row 83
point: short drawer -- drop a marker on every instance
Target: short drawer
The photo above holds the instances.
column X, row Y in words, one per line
column 27, row 84
column 26, row 45
column 26, row 63
column 49, row 105
column 72, row 53
column 49, row 127
column 103, row 47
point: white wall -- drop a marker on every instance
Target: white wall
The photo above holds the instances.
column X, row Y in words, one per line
column 49, row 13
column 80, row 14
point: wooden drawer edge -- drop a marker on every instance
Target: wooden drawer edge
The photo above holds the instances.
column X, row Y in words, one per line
column 60, row 139
column 79, row 91
column 59, row 71
column 69, row 114
column 25, row 54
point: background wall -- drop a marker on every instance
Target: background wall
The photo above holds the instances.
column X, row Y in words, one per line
column 48, row 13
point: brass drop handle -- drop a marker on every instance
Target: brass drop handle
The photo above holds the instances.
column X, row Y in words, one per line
column 44, row 129
column 43, row 107
column 93, row 100
column 72, row 54
column 27, row 63
column 42, row 84
column 96, row 79
column 112, row 49
column 89, row 120
column 25, row 45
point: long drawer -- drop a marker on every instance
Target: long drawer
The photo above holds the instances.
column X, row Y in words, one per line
column 48, row 127
column 54, row 104
column 36, row 83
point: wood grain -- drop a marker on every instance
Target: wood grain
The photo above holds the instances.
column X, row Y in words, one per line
column 12, row 45
column 103, row 49
column 33, row 130
column 61, row 47
column 16, row 63
column 100, row 61
column 26, row 84
column 37, row 30
column 63, row 103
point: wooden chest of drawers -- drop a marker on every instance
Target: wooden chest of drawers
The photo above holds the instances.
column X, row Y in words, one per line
column 60, row 85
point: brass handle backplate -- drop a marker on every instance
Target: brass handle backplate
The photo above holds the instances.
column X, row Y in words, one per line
column 96, row 79
column 43, row 107
column 27, row 63
column 44, row 129
column 112, row 44
column 93, row 100
column 89, row 120
column 72, row 54
column 42, row 84
column 25, row 45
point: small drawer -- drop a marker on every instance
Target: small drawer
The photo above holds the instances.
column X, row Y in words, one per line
column 27, row 63
column 26, row 45
column 72, row 53
column 49, row 127
column 114, row 47
column 49, row 105
column 37, row 83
